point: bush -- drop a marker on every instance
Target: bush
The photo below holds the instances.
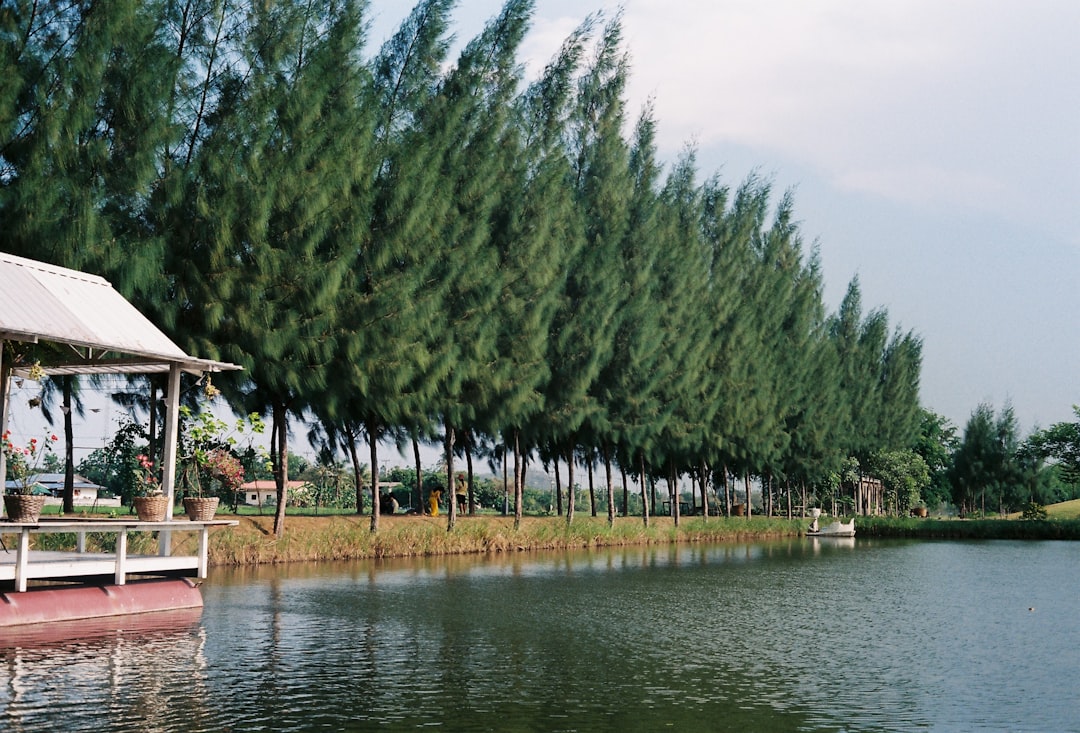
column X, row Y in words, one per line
column 1034, row 511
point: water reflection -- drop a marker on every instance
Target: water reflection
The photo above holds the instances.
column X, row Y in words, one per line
column 126, row 668
column 802, row 634
column 826, row 543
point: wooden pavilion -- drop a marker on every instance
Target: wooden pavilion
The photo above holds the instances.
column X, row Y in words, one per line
column 99, row 332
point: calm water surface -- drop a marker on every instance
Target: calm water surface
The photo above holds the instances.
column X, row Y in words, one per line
column 804, row 635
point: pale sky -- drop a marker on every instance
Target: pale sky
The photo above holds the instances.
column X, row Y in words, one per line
column 932, row 148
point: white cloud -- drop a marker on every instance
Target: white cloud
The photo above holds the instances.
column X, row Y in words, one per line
column 874, row 95
column 758, row 72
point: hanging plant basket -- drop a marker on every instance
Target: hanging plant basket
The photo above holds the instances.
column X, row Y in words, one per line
column 22, row 508
column 200, row 508
column 151, row 508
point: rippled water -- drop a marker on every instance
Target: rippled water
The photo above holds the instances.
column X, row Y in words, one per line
column 806, row 635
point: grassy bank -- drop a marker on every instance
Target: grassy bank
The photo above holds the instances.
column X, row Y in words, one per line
column 348, row 537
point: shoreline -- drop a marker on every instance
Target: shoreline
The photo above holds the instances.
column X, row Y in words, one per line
column 348, row 537
column 335, row 537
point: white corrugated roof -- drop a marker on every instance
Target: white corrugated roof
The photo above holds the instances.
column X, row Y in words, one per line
column 41, row 302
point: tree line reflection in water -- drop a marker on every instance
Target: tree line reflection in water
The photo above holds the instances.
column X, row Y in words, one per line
column 793, row 635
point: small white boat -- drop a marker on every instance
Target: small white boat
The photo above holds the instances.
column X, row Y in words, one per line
column 836, row 529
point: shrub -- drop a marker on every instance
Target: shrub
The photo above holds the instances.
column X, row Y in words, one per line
column 1034, row 511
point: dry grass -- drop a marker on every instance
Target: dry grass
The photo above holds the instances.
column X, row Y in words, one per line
column 1061, row 510
column 349, row 537
column 1064, row 510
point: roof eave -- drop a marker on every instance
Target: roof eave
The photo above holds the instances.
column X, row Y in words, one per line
column 126, row 365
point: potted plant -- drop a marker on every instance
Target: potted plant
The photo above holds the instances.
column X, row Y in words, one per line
column 221, row 466
column 21, row 503
column 151, row 504
column 208, row 458
column 218, row 465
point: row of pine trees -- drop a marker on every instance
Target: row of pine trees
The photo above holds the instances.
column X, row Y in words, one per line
column 396, row 246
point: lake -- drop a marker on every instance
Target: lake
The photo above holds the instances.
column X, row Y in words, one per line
column 799, row 635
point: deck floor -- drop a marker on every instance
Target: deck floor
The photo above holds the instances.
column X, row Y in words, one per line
column 21, row 564
column 45, row 564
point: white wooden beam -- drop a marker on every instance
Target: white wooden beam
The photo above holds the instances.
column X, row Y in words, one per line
column 172, row 438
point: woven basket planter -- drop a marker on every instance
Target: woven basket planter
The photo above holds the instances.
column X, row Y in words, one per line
column 200, row 508
column 151, row 508
column 22, row 508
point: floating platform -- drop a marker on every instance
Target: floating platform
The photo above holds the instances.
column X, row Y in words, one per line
column 88, row 585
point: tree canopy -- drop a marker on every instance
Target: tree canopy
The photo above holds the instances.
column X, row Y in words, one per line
column 397, row 244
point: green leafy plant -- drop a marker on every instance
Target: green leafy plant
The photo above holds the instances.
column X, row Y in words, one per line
column 208, row 448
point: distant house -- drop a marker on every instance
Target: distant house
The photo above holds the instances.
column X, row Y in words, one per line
column 263, row 492
column 86, row 492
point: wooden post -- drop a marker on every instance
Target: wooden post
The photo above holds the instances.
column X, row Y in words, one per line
column 172, row 422
column 121, row 558
column 22, row 557
column 5, row 385
column 204, row 551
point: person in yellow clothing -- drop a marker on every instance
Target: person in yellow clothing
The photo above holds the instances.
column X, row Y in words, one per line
column 433, row 502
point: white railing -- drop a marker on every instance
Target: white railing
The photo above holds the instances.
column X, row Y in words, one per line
column 26, row 564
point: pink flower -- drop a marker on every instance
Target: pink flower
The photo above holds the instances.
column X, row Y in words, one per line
column 25, row 460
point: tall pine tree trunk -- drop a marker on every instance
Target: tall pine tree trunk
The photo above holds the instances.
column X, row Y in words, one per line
column 570, row 493
column 279, row 435
column 506, row 482
column 451, row 484
column 519, row 480
column 673, row 490
column 625, row 491
column 610, row 487
column 704, row 472
column 469, row 473
column 644, row 493
column 558, row 486
column 373, row 432
column 728, row 500
column 418, row 498
column 592, row 491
